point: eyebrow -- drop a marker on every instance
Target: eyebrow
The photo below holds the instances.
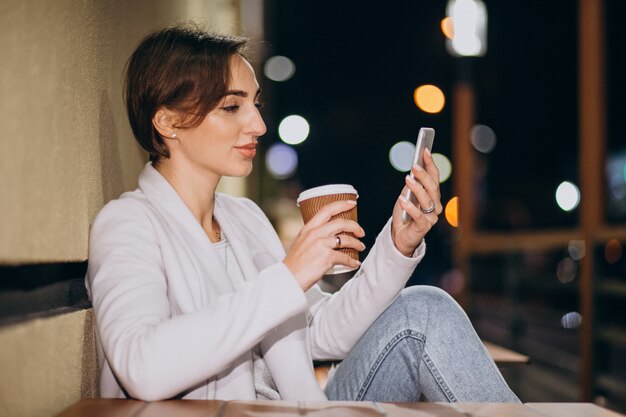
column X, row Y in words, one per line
column 241, row 93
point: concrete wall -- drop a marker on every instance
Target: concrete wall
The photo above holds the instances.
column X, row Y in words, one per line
column 66, row 149
column 47, row 364
column 65, row 144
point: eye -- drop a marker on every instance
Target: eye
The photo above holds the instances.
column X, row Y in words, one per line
column 231, row 109
column 259, row 105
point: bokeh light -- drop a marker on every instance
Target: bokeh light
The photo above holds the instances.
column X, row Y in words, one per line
column 470, row 27
column 447, row 27
column 452, row 212
column 616, row 186
column 567, row 196
column 429, row 98
column 444, row 165
column 576, row 249
column 483, row 138
column 401, row 156
column 279, row 68
column 613, row 251
column 293, row 129
column 566, row 270
column 571, row 320
column 281, row 161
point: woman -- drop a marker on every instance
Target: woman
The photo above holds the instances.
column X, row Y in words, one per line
column 193, row 294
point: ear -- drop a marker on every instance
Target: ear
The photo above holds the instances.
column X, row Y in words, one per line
column 163, row 121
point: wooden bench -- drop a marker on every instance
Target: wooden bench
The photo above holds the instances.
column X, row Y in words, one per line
column 502, row 356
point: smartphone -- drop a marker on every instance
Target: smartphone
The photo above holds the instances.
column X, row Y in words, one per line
column 425, row 139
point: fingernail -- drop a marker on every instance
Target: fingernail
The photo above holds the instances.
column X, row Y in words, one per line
column 410, row 179
column 358, row 263
column 419, row 168
column 428, row 152
column 353, row 202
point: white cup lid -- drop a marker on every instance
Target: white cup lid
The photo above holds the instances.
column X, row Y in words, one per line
column 325, row 190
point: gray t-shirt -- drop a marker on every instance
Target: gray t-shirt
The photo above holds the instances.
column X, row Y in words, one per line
column 263, row 382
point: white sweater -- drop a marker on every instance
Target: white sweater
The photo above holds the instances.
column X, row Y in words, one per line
column 170, row 323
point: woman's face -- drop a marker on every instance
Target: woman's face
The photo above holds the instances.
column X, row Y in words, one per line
column 225, row 142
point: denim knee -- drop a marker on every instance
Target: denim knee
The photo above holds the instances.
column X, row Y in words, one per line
column 426, row 294
column 427, row 300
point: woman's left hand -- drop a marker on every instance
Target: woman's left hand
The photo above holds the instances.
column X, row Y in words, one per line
column 425, row 187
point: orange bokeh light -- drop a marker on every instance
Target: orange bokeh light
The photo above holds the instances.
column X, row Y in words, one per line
column 452, row 212
column 429, row 98
column 447, row 27
column 613, row 251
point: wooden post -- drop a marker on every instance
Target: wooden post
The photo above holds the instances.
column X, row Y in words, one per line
column 463, row 179
column 592, row 162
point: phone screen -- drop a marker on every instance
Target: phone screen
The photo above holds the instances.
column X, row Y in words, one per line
column 425, row 139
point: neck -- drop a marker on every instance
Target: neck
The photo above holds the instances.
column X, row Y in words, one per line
column 196, row 188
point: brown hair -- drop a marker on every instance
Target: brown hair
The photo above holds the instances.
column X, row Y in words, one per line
column 182, row 68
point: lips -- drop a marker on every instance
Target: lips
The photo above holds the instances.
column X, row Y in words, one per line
column 248, row 150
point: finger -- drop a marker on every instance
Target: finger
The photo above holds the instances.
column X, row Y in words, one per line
column 430, row 166
column 337, row 226
column 419, row 218
column 424, row 200
column 346, row 242
column 340, row 258
column 330, row 210
column 427, row 181
column 431, row 186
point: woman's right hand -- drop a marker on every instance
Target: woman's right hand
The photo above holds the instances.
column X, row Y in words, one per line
column 313, row 251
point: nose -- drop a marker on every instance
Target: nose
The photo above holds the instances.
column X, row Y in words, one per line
column 256, row 126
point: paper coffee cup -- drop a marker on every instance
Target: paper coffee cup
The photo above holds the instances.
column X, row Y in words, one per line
column 313, row 199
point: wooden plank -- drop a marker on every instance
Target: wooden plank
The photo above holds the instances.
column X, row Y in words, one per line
column 258, row 408
column 186, row 408
column 197, row 408
column 505, row 357
column 602, row 234
column 485, row 242
column 496, row 410
column 421, row 410
column 104, row 407
column 614, row 334
column 572, row 410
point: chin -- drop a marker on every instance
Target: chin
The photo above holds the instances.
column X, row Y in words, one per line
column 240, row 172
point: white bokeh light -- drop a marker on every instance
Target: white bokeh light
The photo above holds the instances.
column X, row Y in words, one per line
column 281, row 161
column 293, row 129
column 469, row 22
column 483, row 138
column 567, row 196
column 444, row 165
column 571, row 320
column 566, row 270
column 401, row 156
column 279, row 68
column 576, row 249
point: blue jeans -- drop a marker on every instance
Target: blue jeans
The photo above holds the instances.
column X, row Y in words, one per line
column 423, row 347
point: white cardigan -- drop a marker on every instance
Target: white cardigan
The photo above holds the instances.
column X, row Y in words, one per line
column 170, row 323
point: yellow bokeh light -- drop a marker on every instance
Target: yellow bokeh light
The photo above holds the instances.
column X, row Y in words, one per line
column 447, row 28
column 452, row 212
column 429, row 98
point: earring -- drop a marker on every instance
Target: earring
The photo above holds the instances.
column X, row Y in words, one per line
column 174, row 135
